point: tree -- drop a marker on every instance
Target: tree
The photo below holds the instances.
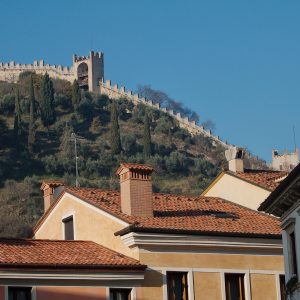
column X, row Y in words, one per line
column 115, row 140
column 66, row 147
column 17, row 120
column 147, row 138
column 32, row 125
column 47, row 101
column 76, row 94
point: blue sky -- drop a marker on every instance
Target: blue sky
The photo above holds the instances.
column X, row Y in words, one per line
column 236, row 63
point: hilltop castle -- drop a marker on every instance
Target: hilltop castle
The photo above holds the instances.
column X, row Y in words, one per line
column 89, row 71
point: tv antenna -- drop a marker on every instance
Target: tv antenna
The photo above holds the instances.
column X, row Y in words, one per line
column 75, row 138
column 295, row 144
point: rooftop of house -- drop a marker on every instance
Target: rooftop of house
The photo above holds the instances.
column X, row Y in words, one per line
column 181, row 214
column 267, row 179
column 276, row 203
column 62, row 255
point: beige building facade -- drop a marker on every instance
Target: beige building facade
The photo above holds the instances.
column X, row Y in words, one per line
column 245, row 187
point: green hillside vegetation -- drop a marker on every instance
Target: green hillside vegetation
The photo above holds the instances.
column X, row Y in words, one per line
column 37, row 117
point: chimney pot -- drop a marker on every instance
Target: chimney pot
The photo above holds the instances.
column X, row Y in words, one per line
column 136, row 189
column 51, row 189
column 235, row 158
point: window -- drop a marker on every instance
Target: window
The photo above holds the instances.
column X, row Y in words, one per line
column 234, row 284
column 119, row 294
column 19, row 293
column 69, row 228
column 177, row 286
column 282, row 287
column 293, row 254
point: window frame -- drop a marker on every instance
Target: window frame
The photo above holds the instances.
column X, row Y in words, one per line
column 63, row 221
column 292, row 250
column 289, row 227
column 132, row 293
column 243, row 281
column 32, row 291
column 186, row 274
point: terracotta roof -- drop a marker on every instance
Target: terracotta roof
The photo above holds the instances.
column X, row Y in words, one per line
column 48, row 254
column 264, row 178
column 133, row 166
column 198, row 215
column 274, row 204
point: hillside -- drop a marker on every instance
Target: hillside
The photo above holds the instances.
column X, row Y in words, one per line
column 184, row 164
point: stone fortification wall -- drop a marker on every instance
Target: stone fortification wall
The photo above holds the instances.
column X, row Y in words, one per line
column 115, row 92
column 286, row 161
column 11, row 71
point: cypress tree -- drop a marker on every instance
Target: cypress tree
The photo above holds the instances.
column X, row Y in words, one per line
column 115, row 140
column 66, row 147
column 147, row 137
column 32, row 127
column 17, row 120
column 76, row 94
column 47, row 101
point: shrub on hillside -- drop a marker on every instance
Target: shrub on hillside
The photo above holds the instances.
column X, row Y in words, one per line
column 7, row 104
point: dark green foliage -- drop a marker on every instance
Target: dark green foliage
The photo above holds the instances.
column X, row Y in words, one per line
column 147, row 149
column 66, row 145
column 17, row 119
column 115, row 140
column 85, row 107
column 7, row 104
column 76, row 94
column 32, row 119
column 47, row 101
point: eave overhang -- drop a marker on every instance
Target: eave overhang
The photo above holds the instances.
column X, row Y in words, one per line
column 285, row 197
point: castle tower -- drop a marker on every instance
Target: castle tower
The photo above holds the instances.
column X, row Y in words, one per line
column 286, row 161
column 89, row 70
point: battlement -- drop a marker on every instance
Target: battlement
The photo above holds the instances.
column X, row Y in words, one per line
column 286, row 161
column 88, row 70
column 97, row 55
column 10, row 71
column 36, row 66
column 116, row 92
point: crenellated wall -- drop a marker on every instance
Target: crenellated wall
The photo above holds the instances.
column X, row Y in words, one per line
column 114, row 92
column 11, row 71
column 89, row 71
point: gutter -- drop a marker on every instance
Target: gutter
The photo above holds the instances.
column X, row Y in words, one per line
column 133, row 228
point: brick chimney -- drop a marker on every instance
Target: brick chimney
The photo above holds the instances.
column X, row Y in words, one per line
column 136, row 189
column 235, row 158
column 51, row 189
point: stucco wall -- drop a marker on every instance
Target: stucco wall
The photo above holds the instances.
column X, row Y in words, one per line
column 70, row 293
column 238, row 191
column 207, row 286
column 152, row 286
column 263, row 286
column 89, row 225
column 292, row 223
column 218, row 261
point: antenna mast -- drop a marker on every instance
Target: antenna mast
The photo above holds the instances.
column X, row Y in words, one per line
column 74, row 138
column 295, row 144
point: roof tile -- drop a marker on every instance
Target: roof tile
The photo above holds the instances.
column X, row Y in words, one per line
column 266, row 179
column 61, row 254
column 186, row 213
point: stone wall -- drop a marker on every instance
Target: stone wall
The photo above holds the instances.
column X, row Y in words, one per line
column 11, row 71
column 284, row 162
column 114, row 92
